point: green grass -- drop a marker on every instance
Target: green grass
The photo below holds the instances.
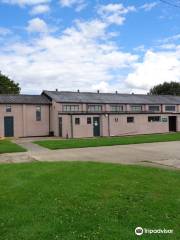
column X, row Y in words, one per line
column 6, row 146
column 95, row 201
column 108, row 141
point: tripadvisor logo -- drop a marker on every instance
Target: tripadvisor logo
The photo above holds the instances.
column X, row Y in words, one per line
column 139, row 231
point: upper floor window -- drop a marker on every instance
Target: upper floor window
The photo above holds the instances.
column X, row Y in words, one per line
column 170, row 108
column 70, row 108
column 154, row 108
column 136, row 108
column 94, row 108
column 117, row 108
column 38, row 113
column 8, row 108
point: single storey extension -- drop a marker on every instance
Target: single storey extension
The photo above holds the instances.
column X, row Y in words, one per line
column 86, row 114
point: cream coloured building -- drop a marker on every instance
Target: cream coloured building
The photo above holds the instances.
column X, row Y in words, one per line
column 85, row 114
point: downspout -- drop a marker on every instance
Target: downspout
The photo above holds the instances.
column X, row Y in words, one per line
column 71, row 127
column 49, row 119
column 109, row 132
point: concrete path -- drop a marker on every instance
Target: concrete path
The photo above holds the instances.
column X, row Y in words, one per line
column 158, row 154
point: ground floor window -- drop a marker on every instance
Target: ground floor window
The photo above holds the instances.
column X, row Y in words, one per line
column 130, row 119
column 154, row 119
column 89, row 120
column 77, row 121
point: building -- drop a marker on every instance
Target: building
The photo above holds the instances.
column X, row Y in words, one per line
column 85, row 114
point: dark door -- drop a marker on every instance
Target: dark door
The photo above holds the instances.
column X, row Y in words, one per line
column 96, row 126
column 172, row 123
column 8, row 126
column 60, row 127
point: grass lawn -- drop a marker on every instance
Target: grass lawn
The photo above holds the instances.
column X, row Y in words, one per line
column 6, row 146
column 95, row 201
column 108, row 141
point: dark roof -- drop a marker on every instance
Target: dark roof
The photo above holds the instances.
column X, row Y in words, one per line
column 20, row 99
column 89, row 97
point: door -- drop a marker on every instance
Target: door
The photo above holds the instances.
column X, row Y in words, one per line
column 96, row 126
column 172, row 123
column 60, row 127
column 8, row 126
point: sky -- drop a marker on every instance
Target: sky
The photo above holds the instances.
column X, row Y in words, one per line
column 125, row 46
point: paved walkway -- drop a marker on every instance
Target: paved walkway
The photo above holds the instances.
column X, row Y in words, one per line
column 158, row 154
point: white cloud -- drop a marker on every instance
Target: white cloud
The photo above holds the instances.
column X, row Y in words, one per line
column 114, row 13
column 37, row 25
column 156, row 67
column 80, row 58
column 25, row 2
column 4, row 31
column 149, row 6
column 39, row 9
column 78, row 4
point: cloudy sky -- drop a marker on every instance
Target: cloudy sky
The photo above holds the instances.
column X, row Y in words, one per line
column 125, row 45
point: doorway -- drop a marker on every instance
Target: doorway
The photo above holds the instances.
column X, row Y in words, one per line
column 172, row 123
column 8, row 126
column 60, row 127
column 96, row 126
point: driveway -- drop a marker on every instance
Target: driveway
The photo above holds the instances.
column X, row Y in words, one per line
column 158, row 154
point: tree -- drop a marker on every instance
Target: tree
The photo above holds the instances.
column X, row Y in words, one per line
column 172, row 88
column 8, row 86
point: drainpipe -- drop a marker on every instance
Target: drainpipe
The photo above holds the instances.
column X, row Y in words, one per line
column 71, row 126
column 109, row 131
column 49, row 119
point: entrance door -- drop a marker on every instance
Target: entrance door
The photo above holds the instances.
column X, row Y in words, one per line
column 60, row 127
column 8, row 126
column 172, row 123
column 96, row 126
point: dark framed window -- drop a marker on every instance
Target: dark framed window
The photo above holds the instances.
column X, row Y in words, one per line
column 77, row 121
column 94, row 108
column 89, row 120
column 130, row 119
column 70, row 108
column 154, row 108
column 170, row 108
column 8, row 108
column 136, row 108
column 38, row 113
column 116, row 108
column 154, row 119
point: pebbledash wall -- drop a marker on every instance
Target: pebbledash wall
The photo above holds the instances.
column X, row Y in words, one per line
column 76, row 114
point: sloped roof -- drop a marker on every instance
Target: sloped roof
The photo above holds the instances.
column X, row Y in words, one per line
column 26, row 99
column 89, row 97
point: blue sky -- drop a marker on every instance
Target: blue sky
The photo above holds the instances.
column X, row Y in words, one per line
column 125, row 45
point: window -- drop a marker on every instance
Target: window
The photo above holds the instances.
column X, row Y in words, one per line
column 136, row 108
column 70, row 108
column 77, row 121
column 154, row 119
column 38, row 113
column 94, row 108
column 130, row 119
column 154, row 108
column 8, row 108
column 88, row 120
column 170, row 108
column 116, row 108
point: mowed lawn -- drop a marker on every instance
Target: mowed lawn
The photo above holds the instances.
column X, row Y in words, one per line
column 72, row 201
column 6, row 146
column 108, row 141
